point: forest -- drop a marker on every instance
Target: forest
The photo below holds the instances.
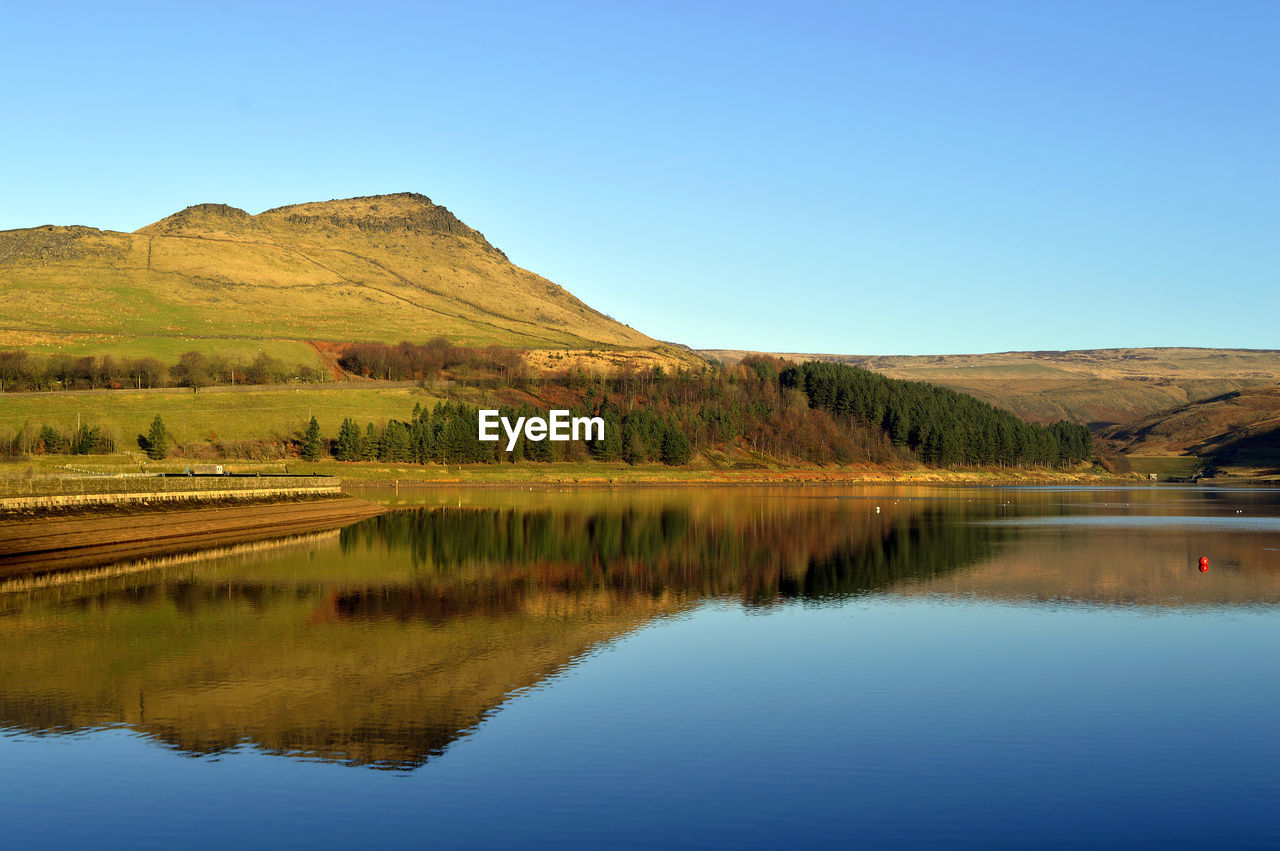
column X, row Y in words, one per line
column 943, row 427
column 819, row 413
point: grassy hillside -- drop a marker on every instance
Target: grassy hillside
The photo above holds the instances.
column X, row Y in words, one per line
column 1097, row 386
column 1239, row 431
column 215, row 278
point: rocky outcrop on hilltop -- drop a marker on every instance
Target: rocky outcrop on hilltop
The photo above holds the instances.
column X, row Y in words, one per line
column 52, row 244
column 382, row 213
column 201, row 217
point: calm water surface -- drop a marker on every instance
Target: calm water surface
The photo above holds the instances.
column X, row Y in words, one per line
column 703, row 667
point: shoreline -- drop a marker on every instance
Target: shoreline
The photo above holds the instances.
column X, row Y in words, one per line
column 525, row 484
column 43, row 541
column 300, row 477
column 356, row 476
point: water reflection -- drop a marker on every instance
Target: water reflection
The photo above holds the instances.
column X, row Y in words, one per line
column 384, row 643
column 470, row 558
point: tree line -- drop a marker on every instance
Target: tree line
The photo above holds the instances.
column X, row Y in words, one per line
column 431, row 360
column 21, row 370
column 84, row 439
column 447, row 434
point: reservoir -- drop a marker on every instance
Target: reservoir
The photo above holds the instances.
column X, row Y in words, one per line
column 725, row 667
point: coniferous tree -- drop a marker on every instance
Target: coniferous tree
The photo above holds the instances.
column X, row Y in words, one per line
column 371, row 446
column 634, row 450
column 86, row 439
column 156, row 442
column 676, row 451
column 348, row 445
column 609, row 448
column 535, row 450
column 395, row 443
column 310, row 450
column 455, row 439
column 422, row 437
column 50, row 440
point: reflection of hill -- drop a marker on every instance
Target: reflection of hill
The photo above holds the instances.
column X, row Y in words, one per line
column 386, row 645
column 205, row 666
column 1129, row 566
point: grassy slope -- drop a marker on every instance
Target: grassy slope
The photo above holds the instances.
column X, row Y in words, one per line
column 1093, row 386
column 1165, row 467
column 1237, row 430
column 385, row 268
column 233, row 414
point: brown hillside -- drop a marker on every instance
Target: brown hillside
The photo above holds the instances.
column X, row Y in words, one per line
column 1238, row 430
column 1093, row 387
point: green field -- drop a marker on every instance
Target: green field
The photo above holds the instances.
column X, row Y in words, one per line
column 271, row 412
column 1166, row 467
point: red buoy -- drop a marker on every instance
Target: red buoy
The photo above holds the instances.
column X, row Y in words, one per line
column 1204, row 564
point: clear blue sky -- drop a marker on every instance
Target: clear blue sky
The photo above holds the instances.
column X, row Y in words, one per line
column 876, row 178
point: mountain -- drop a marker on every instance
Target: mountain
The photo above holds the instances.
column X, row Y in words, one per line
column 1095, row 387
column 381, row 268
column 1239, row 430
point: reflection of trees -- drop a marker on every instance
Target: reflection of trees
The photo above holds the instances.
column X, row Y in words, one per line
column 490, row 555
column 908, row 553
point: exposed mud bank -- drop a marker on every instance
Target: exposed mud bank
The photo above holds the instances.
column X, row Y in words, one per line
column 35, row 545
